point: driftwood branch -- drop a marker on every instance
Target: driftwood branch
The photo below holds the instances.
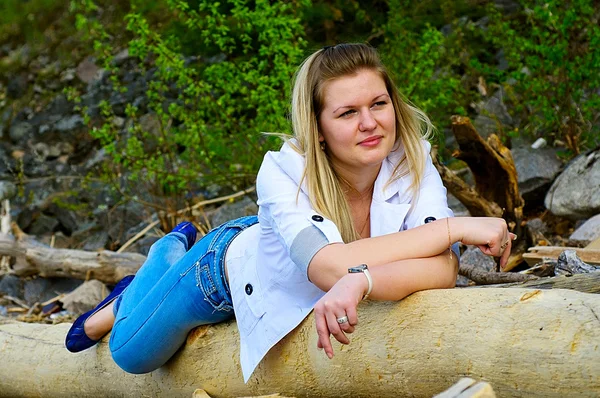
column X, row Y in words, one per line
column 33, row 258
column 468, row 196
column 482, row 277
column 492, row 166
column 585, row 283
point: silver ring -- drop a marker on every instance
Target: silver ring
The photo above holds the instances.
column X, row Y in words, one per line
column 343, row 319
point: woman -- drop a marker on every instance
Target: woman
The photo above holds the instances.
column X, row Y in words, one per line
column 350, row 207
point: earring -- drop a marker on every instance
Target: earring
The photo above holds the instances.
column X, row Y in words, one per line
column 322, row 145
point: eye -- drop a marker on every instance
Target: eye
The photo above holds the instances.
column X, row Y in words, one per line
column 380, row 103
column 347, row 113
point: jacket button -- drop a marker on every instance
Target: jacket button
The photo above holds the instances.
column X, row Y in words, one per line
column 249, row 289
column 317, row 218
column 429, row 219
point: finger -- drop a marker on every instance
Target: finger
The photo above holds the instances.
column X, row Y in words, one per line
column 334, row 329
column 345, row 326
column 505, row 254
column 323, row 333
column 512, row 236
column 352, row 315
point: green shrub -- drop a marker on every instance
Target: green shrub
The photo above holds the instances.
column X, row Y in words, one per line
column 552, row 51
column 211, row 109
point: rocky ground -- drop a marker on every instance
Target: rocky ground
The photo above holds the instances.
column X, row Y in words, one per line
column 46, row 153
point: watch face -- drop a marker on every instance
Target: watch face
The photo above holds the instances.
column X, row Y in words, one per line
column 358, row 268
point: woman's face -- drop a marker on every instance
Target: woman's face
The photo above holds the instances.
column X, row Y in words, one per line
column 357, row 122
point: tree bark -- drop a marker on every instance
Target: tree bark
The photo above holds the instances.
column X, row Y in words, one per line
column 585, row 283
column 492, row 166
column 417, row 347
column 33, row 258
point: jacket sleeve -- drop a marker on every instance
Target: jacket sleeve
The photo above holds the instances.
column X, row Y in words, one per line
column 285, row 213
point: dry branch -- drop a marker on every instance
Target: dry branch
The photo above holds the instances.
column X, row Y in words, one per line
column 482, row 277
column 33, row 258
column 492, row 166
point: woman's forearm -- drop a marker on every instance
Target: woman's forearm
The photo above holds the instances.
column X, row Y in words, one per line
column 425, row 241
column 396, row 280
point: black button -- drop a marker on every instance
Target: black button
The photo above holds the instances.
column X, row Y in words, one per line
column 317, row 218
column 249, row 289
column 429, row 219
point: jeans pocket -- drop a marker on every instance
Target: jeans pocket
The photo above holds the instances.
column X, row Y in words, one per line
column 205, row 281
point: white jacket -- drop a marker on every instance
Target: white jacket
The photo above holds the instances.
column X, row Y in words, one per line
column 271, row 292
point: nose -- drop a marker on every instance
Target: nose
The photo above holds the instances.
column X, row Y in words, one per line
column 367, row 121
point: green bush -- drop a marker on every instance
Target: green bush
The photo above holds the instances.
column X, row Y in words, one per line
column 212, row 108
column 552, row 51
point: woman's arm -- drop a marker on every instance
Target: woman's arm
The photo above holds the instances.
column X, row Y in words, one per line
column 429, row 240
column 392, row 281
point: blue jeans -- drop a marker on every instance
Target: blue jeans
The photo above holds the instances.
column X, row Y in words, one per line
column 172, row 293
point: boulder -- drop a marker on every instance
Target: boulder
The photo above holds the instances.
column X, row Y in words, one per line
column 230, row 211
column 492, row 115
column 575, row 193
column 85, row 297
column 536, row 170
column 588, row 231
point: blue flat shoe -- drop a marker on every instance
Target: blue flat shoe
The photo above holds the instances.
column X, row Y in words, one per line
column 76, row 339
column 189, row 230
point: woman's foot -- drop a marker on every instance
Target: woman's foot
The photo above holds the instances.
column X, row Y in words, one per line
column 101, row 320
column 100, row 323
column 189, row 230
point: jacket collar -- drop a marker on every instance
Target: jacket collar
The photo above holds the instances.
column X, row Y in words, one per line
column 387, row 215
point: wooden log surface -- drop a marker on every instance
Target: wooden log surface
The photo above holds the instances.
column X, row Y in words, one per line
column 523, row 342
column 33, row 258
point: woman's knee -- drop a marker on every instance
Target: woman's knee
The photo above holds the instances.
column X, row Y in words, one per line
column 137, row 362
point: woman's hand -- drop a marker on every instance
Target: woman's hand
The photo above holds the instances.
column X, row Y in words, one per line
column 340, row 301
column 489, row 234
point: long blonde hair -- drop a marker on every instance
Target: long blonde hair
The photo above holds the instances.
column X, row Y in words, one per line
column 323, row 184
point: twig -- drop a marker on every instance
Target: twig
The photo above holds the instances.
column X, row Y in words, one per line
column 17, row 301
column 217, row 200
column 181, row 211
column 137, row 236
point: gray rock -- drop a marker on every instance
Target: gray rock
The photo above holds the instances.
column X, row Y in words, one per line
column 457, row 207
column 38, row 290
column 43, row 224
column 588, row 231
column 227, row 212
column 96, row 241
column 8, row 190
column 69, row 123
column 474, row 257
column 536, row 170
column 11, row 285
column 87, row 71
column 121, row 57
column 576, row 192
column 493, row 113
column 85, row 297
column 20, row 131
column 17, row 86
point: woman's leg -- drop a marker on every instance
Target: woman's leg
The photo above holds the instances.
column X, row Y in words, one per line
column 163, row 253
column 151, row 328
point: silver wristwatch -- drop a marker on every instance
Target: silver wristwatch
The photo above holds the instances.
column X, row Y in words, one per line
column 365, row 270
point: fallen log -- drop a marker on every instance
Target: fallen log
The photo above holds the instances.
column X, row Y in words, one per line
column 585, row 283
column 33, row 258
column 523, row 342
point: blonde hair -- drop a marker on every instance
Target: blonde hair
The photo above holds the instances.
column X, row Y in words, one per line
column 324, row 189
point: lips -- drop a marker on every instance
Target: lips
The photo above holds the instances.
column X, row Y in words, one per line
column 371, row 141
